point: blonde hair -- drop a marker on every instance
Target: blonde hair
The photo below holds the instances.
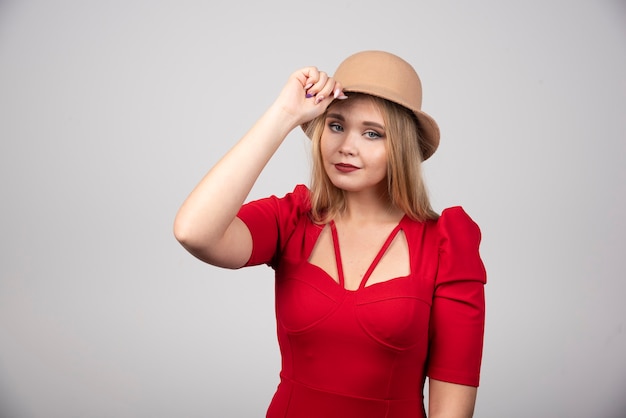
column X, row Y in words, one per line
column 406, row 189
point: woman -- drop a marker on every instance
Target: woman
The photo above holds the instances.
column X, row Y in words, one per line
column 374, row 290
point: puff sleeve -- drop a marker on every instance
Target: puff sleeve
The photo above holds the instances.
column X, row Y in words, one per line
column 458, row 310
column 271, row 221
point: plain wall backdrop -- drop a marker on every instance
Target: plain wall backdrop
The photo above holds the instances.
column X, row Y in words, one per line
column 111, row 112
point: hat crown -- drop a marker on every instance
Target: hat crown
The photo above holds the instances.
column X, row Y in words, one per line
column 381, row 74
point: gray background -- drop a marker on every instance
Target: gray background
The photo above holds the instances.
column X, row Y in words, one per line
column 110, row 112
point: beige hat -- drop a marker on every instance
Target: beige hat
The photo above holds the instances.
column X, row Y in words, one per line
column 388, row 76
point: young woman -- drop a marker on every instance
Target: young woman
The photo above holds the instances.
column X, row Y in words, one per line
column 374, row 290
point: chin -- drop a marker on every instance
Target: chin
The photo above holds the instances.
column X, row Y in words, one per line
column 354, row 187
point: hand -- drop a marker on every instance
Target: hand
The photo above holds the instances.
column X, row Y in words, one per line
column 308, row 93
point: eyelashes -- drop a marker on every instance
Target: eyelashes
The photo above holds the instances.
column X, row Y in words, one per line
column 369, row 134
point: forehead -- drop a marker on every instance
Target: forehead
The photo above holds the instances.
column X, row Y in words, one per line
column 357, row 106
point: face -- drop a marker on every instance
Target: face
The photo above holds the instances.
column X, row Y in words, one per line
column 353, row 146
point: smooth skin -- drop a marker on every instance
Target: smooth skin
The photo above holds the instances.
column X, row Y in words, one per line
column 354, row 135
column 207, row 224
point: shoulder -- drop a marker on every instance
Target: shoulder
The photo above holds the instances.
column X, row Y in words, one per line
column 301, row 197
column 272, row 220
column 455, row 222
column 454, row 230
column 296, row 202
column 298, row 198
column 459, row 246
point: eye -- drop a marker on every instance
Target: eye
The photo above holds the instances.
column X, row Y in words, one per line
column 334, row 126
column 373, row 135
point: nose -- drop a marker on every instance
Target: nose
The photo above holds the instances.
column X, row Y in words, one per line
column 349, row 144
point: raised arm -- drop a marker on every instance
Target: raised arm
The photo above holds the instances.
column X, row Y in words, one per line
column 206, row 223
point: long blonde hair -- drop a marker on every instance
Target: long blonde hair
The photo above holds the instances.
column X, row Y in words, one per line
column 405, row 184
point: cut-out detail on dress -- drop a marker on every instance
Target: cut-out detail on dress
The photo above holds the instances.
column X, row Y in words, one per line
column 323, row 256
column 323, row 252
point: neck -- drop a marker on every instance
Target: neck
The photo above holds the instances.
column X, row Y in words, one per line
column 369, row 207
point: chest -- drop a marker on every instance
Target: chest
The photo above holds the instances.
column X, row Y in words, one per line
column 390, row 304
column 359, row 257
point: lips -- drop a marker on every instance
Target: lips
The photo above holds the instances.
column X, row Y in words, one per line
column 345, row 168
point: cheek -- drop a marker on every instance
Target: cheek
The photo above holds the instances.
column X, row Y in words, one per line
column 379, row 155
column 325, row 148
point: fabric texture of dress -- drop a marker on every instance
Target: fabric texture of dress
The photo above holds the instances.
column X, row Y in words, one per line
column 365, row 353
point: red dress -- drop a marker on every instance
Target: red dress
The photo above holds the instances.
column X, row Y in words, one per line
column 365, row 353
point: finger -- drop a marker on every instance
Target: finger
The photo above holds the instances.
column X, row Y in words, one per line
column 338, row 92
column 331, row 90
column 308, row 76
column 317, row 85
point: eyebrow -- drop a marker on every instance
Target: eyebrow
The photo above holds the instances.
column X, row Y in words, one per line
column 342, row 119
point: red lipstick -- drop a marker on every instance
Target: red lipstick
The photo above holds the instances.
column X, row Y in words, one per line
column 345, row 168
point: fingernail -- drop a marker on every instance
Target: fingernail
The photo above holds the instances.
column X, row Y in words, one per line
column 319, row 99
column 342, row 97
column 337, row 93
column 308, row 86
column 309, row 95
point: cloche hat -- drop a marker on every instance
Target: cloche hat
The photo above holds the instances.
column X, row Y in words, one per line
column 388, row 76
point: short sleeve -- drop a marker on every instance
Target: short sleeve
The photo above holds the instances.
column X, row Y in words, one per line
column 458, row 311
column 271, row 221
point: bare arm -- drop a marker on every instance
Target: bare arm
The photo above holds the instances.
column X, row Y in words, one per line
column 449, row 400
column 206, row 224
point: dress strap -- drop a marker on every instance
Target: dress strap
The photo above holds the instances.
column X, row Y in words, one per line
column 379, row 256
column 333, row 230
